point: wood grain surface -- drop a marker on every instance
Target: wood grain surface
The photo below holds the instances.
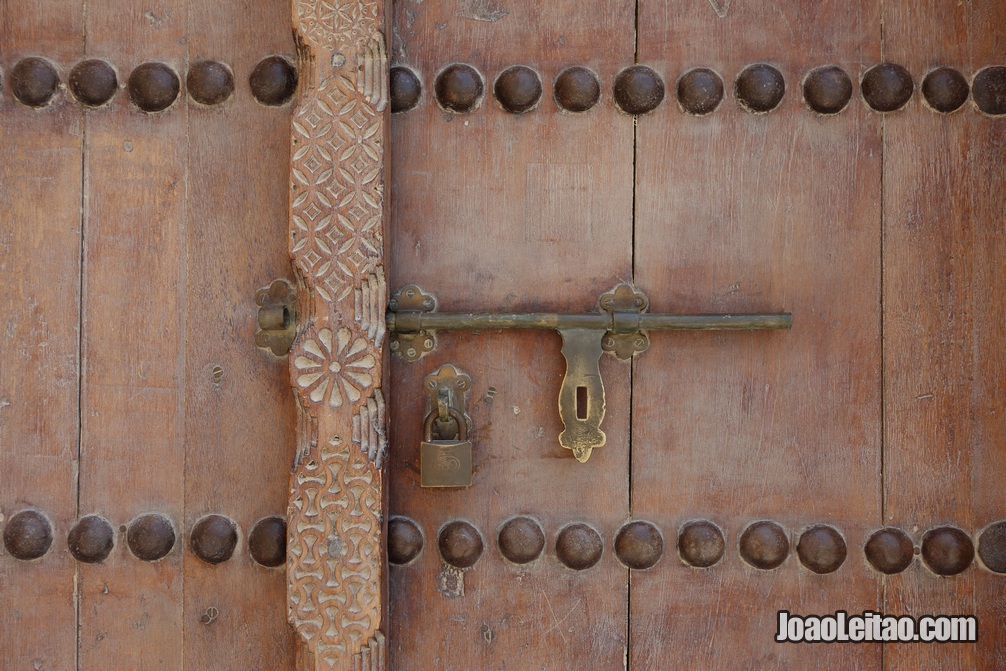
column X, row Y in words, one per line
column 183, row 220
column 492, row 211
column 240, row 430
column 132, row 245
column 944, row 368
column 743, row 212
column 40, row 192
column 134, row 314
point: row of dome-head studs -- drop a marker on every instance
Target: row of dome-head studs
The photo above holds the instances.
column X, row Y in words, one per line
column 763, row 544
column 759, row 89
column 152, row 86
column 28, row 535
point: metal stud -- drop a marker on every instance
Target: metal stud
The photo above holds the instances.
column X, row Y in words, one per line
column 887, row 87
column 889, row 550
column 518, row 89
column 764, row 545
column 992, row 547
column 827, row 89
column 945, row 89
column 210, row 82
column 460, row 544
column 91, row 539
column 93, row 83
column 150, row 536
column 521, row 540
column 406, row 89
column 214, row 538
column 153, row 87
column 638, row 89
column 701, row 543
column 760, row 88
column 267, row 541
column 34, row 82
column 821, row 549
column 28, row 535
column 700, row 91
column 459, row 88
column 989, row 90
column 576, row 89
column 405, row 540
column 578, row 546
column 639, row 545
column 947, row 550
column 273, row 81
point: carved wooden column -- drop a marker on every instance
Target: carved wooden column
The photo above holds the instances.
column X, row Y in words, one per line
column 335, row 560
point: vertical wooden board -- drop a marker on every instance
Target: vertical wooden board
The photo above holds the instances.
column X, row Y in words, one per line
column 738, row 212
column 133, row 403
column 497, row 212
column 240, row 414
column 943, row 365
column 988, row 395
column 40, row 185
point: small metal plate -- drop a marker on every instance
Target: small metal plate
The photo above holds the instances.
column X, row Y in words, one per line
column 412, row 346
column 277, row 317
column 624, row 299
column 452, row 385
column 446, row 463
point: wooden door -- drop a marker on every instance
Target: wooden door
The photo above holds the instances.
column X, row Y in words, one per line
column 145, row 441
column 822, row 158
column 841, row 161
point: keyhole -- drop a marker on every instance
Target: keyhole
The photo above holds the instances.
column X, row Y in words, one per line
column 581, row 403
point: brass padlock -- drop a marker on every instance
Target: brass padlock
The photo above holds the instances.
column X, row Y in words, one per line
column 445, row 463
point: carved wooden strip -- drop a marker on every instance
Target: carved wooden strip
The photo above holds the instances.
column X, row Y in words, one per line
column 335, row 557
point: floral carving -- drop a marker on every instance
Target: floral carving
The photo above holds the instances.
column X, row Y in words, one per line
column 335, row 368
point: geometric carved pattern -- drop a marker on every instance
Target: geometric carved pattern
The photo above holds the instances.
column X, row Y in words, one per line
column 335, row 524
column 335, row 554
column 335, row 24
column 337, row 218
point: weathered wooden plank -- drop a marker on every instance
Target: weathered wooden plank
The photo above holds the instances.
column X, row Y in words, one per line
column 40, row 187
column 943, row 361
column 133, row 401
column 740, row 212
column 240, row 415
column 496, row 211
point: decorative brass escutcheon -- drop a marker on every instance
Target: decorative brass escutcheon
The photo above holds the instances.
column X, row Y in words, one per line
column 620, row 327
column 277, row 317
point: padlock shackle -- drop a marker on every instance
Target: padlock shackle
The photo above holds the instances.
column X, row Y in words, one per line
column 457, row 416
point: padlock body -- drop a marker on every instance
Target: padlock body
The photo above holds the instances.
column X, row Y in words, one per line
column 445, row 463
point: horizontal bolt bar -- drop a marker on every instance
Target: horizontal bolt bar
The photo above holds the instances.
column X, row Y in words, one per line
column 625, row 322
